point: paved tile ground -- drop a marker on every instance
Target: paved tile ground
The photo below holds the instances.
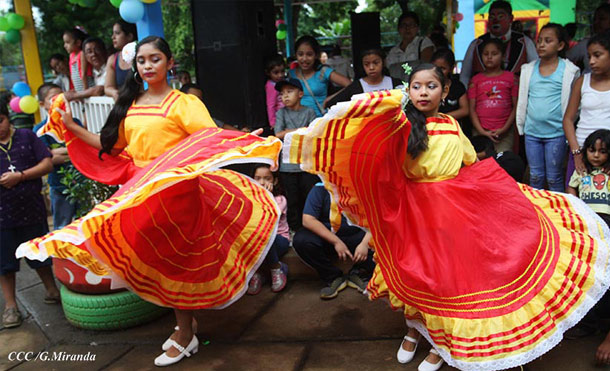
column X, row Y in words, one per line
column 292, row 330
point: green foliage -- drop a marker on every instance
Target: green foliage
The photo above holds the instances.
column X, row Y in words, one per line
column 59, row 15
column 322, row 16
column 584, row 17
column 332, row 20
column 85, row 192
column 334, row 29
column 178, row 27
column 10, row 54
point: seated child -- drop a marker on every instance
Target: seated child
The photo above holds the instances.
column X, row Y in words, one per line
column 508, row 160
column 318, row 246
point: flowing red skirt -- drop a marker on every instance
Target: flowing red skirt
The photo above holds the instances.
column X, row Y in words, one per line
column 490, row 271
column 182, row 232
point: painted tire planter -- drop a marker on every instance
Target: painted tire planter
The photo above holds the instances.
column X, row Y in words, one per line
column 79, row 279
column 108, row 311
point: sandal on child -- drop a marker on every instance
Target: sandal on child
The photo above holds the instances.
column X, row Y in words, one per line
column 52, row 299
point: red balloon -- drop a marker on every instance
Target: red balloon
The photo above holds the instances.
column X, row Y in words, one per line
column 459, row 17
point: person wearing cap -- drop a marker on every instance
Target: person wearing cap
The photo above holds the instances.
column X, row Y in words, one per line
column 518, row 48
column 292, row 116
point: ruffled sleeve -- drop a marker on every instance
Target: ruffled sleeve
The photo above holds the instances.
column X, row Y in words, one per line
column 190, row 114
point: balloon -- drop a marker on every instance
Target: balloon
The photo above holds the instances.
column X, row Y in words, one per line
column 131, row 11
column 445, row 19
column 457, row 26
column 116, row 3
column 28, row 104
column 459, row 17
column 279, row 22
column 21, row 89
column 4, row 24
column 15, row 21
column 280, row 35
column 12, row 36
column 148, row 1
column 282, row 27
column 14, row 104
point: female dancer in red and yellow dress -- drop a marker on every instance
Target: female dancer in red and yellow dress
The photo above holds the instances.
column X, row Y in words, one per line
column 181, row 232
column 489, row 271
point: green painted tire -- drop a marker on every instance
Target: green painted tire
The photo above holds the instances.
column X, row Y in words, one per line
column 108, row 311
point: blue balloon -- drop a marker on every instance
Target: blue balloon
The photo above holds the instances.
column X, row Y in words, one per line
column 131, row 11
column 21, row 89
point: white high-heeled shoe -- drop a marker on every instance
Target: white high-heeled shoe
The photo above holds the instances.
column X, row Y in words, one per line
column 165, row 360
column 405, row 356
column 168, row 343
column 427, row 366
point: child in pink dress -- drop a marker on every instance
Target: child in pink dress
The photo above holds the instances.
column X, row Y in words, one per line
column 492, row 96
column 279, row 270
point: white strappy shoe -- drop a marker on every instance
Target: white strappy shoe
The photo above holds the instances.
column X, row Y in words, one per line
column 405, row 356
column 168, row 343
column 165, row 360
column 427, row 366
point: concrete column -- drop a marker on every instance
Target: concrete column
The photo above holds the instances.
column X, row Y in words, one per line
column 289, row 28
column 152, row 22
column 29, row 48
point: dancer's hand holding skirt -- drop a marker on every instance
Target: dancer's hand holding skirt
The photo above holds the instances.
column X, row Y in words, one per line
column 181, row 232
column 490, row 271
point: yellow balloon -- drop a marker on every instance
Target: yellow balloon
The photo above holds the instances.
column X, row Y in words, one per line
column 28, row 104
column 148, row 1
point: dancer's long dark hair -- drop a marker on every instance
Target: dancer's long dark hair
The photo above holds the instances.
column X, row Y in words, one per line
column 418, row 139
column 127, row 94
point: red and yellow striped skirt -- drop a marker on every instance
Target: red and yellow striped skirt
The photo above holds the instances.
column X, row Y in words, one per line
column 490, row 271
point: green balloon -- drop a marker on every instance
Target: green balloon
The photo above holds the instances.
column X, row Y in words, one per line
column 457, row 26
column 15, row 21
column 12, row 36
column 4, row 24
column 281, row 27
column 280, row 35
column 116, row 3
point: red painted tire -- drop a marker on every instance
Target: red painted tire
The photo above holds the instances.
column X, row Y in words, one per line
column 79, row 279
